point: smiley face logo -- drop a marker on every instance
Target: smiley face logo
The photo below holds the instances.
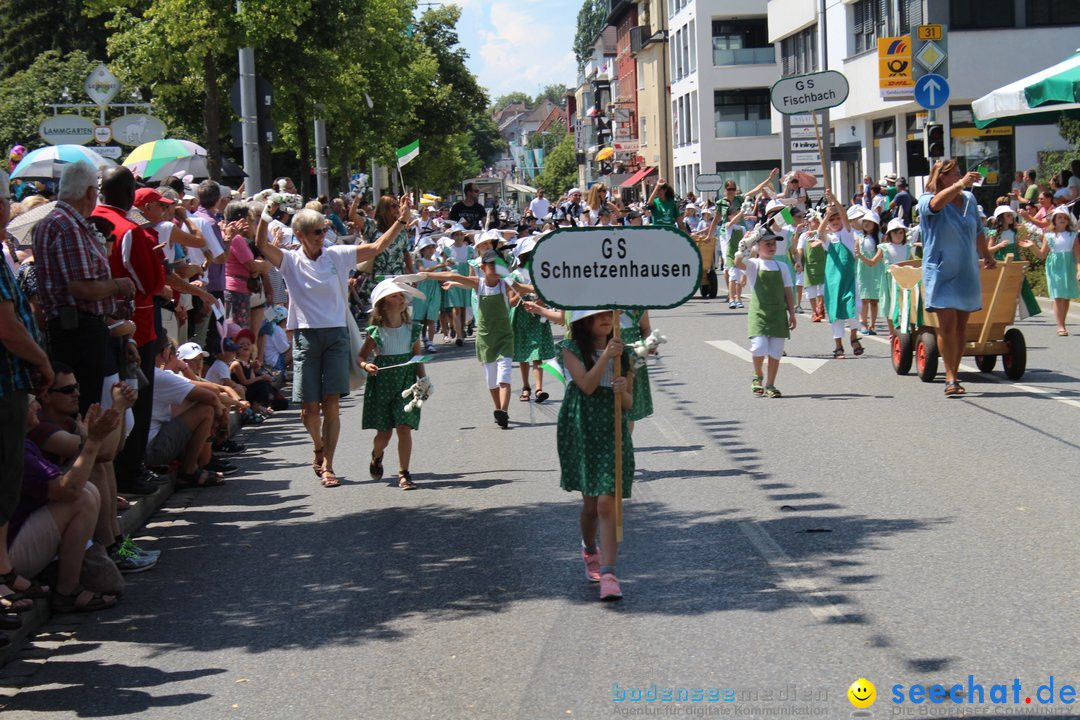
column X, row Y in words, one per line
column 862, row 693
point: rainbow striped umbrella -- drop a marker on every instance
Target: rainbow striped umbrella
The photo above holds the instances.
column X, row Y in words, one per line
column 159, row 159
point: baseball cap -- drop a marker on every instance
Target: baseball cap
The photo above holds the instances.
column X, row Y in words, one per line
column 190, row 351
column 145, row 196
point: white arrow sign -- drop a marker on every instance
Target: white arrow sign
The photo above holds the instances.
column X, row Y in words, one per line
column 807, row 365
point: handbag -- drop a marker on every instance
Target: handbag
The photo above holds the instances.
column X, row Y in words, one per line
column 357, row 375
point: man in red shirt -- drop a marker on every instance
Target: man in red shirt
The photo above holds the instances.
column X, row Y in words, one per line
column 134, row 255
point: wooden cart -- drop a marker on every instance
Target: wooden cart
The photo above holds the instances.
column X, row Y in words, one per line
column 710, row 285
column 988, row 334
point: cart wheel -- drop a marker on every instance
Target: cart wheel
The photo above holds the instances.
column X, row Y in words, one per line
column 704, row 287
column 1016, row 361
column 902, row 352
column 986, row 363
column 712, row 284
column 926, row 356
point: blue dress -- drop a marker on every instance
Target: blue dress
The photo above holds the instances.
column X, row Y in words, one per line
column 950, row 258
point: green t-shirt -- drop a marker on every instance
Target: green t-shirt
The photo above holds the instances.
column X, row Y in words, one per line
column 1032, row 193
column 664, row 212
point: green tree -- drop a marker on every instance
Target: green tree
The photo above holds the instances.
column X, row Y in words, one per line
column 484, row 138
column 1070, row 130
column 560, row 168
column 555, row 92
column 23, row 95
column 31, row 27
column 516, row 97
column 591, row 20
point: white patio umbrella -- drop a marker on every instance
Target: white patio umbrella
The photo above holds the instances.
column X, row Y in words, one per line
column 1035, row 99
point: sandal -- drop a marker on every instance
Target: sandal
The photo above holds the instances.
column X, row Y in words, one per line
column 526, row 395
column 375, row 467
column 756, row 385
column 122, row 503
column 34, row 592
column 70, row 603
column 13, row 603
column 502, row 418
column 405, row 480
column 1063, row 333
column 541, row 396
column 318, row 463
column 329, row 479
column 857, row 347
column 199, row 479
column 953, row 388
column 772, row 392
column 838, row 353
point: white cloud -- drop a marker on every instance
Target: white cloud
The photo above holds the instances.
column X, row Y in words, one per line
column 521, row 46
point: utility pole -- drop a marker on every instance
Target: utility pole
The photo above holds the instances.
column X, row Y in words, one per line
column 249, row 121
column 322, row 170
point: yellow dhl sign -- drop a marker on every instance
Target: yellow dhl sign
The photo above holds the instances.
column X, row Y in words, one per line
column 894, row 67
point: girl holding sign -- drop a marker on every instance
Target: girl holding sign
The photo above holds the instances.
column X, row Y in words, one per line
column 395, row 339
column 586, row 437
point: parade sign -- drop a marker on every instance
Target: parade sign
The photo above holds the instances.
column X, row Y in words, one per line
column 66, row 130
column 807, row 93
column 616, row 268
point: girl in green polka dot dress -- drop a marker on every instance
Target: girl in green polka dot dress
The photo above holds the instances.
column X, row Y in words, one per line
column 395, row 339
column 586, row 437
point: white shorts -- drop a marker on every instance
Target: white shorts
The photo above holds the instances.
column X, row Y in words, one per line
column 799, row 277
column 763, row 346
column 498, row 372
column 815, row 291
column 735, row 274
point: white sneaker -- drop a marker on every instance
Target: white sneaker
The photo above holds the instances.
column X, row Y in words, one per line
column 428, row 347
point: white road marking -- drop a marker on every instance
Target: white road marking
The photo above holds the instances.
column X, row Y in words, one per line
column 672, row 434
column 807, row 365
column 792, row 576
column 964, row 367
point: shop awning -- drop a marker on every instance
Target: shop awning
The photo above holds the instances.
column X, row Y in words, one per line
column 637, row 177
column 516, row 187
column 1038, row 98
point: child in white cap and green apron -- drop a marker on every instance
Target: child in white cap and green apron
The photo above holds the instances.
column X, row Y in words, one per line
column 494, row 333
column 771, row 316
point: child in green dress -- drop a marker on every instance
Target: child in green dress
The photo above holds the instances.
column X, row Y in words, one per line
column 395, row 339
column 586, row 437
column 533, row 341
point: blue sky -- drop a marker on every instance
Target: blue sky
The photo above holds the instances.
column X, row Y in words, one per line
column 519, row 44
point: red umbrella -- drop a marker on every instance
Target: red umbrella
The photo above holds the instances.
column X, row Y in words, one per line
column 805, row 179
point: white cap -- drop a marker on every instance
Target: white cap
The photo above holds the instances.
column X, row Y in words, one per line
column 691, row 206
column 872, row 217
column 571, row 191
column 390, row 286
column 895, row 224
column 425, row 242
column 576, row 315
column 190, row 351
column 1003, row 210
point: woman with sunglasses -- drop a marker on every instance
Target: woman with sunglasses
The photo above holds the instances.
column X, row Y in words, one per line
column 317, row 278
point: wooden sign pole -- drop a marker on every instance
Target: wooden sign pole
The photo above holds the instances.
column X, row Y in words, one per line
column 821, row 150
column 617, row 331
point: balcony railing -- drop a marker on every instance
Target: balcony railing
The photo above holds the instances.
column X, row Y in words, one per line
column 743, row 128
column 745, row 56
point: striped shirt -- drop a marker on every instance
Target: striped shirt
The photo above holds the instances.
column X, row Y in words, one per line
column 66, row 248
column 14, row 371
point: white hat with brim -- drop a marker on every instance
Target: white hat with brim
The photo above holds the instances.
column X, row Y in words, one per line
column 571, row 191
column 190, row 351
column 1060, row 210
column 1003, row 210
column 872, row 217
column 773, row 206
column 391, row 286
column 426, row 242
column 855, row 212
column 576, row 315
column 895, row 224
column 526, row 245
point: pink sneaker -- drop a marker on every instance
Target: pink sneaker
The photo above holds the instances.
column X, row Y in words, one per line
column 592, row 565
column 609, row 587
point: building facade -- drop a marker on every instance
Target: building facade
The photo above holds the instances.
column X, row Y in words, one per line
column 722, row 66
column 989, row 43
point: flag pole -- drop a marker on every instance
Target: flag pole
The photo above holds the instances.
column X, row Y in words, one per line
column 618, row 436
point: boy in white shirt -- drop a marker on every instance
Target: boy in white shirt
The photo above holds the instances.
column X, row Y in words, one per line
column 768, row 325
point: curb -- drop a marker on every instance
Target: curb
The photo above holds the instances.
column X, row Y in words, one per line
column 131, row 520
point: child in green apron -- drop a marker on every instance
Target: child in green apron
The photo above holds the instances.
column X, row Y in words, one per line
column 894, row 248
column 586, row 437
column 426, row 312
column 841, row 289
column 870, row 271
column 533, row 342
column 1006, row 237
column 395, row 339
column 813, row 261
column 494, row 333
column 771, row 317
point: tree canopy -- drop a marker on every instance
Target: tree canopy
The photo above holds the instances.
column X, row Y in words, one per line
column 591, row 19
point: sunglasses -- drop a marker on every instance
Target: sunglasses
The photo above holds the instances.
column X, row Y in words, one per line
column 318, row 232
column 67, row 389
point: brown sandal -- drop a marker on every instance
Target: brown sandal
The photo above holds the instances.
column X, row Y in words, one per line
column 405, row 481
column 317, row 466
column 329, row 479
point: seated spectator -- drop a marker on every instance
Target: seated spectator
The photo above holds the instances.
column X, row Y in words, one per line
column 57, row 512
column 277, row 352
column 187, row 361
column 60, row 434
column 219, row 372
column 181, row 423
column 259, row 386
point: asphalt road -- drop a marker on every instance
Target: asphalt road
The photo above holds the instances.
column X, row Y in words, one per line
column 861, row 526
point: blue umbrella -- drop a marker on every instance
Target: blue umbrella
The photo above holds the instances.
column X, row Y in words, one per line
column 48, row 162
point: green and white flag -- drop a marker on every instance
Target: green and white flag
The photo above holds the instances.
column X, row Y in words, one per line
column 415, row 359
column 555, row 370
column 408, row 153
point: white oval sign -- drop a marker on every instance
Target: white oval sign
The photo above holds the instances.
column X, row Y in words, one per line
column 806, row 93
column 66, row 130
column 616, row 267
column 135, row 130
column 709, row 183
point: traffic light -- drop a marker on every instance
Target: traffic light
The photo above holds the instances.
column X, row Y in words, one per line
column 917, row 165
column 935, row 140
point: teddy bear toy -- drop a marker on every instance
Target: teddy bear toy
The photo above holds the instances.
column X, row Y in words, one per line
column 419, row 391
column 647, row 345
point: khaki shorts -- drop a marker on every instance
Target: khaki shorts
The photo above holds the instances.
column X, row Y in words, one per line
column 36, row 544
